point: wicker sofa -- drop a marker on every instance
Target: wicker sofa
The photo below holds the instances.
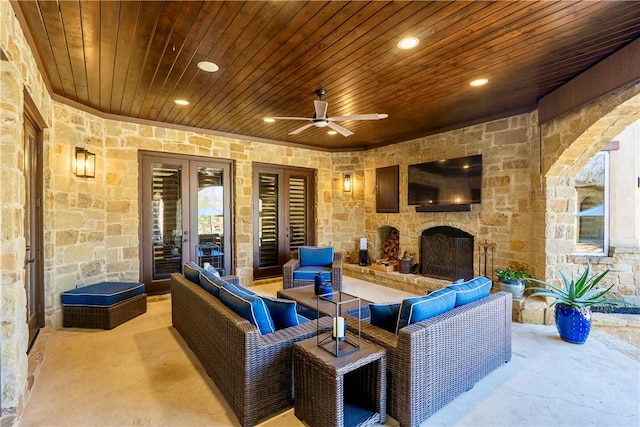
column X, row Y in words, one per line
column 252, row 371
column 430, row 363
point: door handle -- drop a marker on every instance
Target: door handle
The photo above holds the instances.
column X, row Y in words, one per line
column 29, row 260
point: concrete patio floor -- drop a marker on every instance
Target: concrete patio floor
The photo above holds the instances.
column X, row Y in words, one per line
column 143, row 374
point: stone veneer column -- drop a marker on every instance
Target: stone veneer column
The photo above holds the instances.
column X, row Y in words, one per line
column 13, row 368
column 18, row 73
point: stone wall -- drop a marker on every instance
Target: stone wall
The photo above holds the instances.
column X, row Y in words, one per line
column 503, row 218
column 569, row 142
column 348, row 207
column 18, row 74
column 91, row 226
column 93, row 223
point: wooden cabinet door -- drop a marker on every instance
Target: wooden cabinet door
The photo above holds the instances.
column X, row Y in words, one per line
column 387, row 195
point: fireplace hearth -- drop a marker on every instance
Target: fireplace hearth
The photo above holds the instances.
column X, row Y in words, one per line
column 446, row 253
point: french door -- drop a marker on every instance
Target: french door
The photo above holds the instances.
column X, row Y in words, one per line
column 284, row 216
column 33, row 224
column 186, row 215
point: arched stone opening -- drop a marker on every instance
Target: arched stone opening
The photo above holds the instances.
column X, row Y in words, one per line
column 576, row 138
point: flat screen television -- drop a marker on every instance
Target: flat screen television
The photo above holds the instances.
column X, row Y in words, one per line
column 452, row 184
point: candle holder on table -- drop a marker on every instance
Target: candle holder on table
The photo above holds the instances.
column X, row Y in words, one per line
column 338, row 341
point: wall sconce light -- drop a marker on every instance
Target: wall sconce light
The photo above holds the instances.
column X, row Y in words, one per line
column 346, row 183
column 84, row 163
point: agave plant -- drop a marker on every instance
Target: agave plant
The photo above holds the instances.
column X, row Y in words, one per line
column 574, row 300
column 580, row 293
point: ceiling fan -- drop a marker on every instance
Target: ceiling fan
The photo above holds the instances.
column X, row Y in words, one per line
column 321, row 120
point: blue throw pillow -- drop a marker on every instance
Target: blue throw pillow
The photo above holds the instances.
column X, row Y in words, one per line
column 283, row 312
column 418, row 309
column 250, row 307
column 311, row 255
column 385, row 316
column 472, row 290
column 207, row 283
column 221, row 283
column 191, row 272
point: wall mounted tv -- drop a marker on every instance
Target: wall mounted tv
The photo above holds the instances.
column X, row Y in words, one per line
column 445, row 185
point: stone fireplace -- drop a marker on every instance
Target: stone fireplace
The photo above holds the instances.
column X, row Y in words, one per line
column 446, row 253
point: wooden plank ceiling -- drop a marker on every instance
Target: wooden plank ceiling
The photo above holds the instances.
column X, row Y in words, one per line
column 134, row 58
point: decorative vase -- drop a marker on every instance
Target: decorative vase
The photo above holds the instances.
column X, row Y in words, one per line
column 320, row 287
column 573, row 324
column 515, row 287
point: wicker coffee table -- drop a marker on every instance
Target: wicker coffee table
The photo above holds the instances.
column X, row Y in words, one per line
column 306, row 297
column 340, row 391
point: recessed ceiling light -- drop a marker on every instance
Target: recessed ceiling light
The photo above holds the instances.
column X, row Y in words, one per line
column 181, row 102
column 408, row 43
column 269, row 119
column 478, row 82
column 332, row 132
column 207, row 66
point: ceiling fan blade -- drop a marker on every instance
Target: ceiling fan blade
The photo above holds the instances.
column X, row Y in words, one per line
column 359, row 117
column 342, row 131
column 321, row 109
column 300, row 129
column 289, row 118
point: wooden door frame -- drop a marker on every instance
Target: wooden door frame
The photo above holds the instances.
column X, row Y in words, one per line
column 285, row 172
column 145, row 192
column 33, row 116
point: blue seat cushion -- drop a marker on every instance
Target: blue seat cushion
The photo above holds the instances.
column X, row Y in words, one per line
column 474, row 289
column 102, row 294
column 309, row 273
column 283, row 312
column 191, row 271
column 251, row 307
column 417, row 309
column 385, row 316
column 316, row 256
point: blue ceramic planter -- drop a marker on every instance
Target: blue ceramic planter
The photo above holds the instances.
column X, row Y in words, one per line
column 573, row 325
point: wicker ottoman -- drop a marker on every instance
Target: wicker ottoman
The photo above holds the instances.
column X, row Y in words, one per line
column 103, row 305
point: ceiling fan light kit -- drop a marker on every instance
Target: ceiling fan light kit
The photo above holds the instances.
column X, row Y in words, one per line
column 321, row 120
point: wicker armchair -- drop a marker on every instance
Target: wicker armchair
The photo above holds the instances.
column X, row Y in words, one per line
column 430, row 363
column 252, row 371
column 293, row 264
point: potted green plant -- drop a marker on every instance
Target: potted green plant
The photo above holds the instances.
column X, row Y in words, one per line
column 512, row 279
column 573, row 300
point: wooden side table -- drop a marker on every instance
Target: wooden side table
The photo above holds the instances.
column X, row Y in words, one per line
column 340, row 391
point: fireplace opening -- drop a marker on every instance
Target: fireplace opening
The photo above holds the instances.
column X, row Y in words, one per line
column 446, row 253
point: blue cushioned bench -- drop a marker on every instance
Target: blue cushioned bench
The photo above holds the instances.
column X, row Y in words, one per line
column 103, row 305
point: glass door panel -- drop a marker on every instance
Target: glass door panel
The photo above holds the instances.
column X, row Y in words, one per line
column 283, row 216
column 268, row 220
column 211, row 223
column 186, row 216
column 166, row 220
column 297, row 214
column 33, row 268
